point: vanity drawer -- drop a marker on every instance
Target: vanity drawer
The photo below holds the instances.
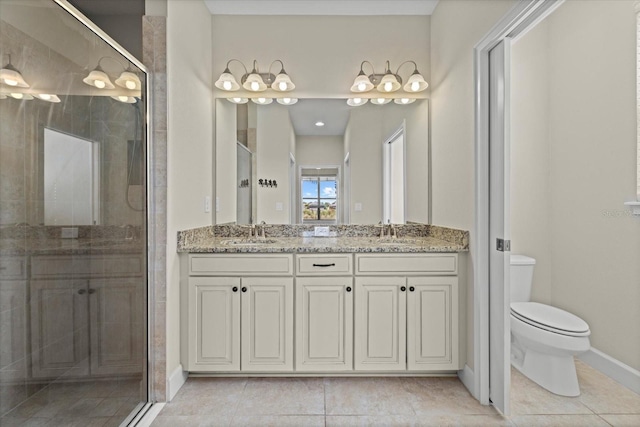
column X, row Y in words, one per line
column 241, row 265
column 326, row 264
column 12, row 268
column 407, row 263
column 86, row 266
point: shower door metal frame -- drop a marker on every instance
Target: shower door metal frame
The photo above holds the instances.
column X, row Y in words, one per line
column 140, row 411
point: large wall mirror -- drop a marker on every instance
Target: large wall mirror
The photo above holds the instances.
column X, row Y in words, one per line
column 321, row 161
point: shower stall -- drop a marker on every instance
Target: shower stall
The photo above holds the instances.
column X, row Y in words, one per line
column 73, row 221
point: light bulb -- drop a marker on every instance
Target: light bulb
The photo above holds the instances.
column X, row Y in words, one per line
column 11, row 82
column 415, row 86
column 405, row 100
column 286, row 100
column 45, row 96
column 227, row 85
column 357, row 100
column 130, row 84
column 388, row 86
column 319, row 124
column 380, row 100
column 262, row 100
column 282, row 86
column 99, row 84
column 123, row 98
column 255, row 86
column 17, row 95
column 362, row 87
column 236, row 99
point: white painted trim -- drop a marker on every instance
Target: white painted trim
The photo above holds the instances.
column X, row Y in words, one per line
column 176, row 380
column 613, row 368
column 149, row 416
column 516, row 21
column 467, row 377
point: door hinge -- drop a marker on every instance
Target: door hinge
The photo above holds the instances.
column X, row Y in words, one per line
column 503, row 245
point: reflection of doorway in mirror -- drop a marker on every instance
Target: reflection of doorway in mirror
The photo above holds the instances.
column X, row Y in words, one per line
column 393, row 161
column 319, row 195
column 245, row 184
column 71, row 180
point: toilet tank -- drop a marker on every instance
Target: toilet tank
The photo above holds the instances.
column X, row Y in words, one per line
column 521, row 277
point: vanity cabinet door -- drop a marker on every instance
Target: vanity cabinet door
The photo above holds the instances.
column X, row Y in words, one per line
column 214, row 324
column 116, row 325
column 59, row 328
column 432, row 323
column 267, row 324
column 380, row 324
column 324, row 324
column 13, row 330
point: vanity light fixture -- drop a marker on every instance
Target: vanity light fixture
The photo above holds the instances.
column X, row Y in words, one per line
column 262, row 101
column 238, row 100
column 21, row 96
column 255, row 81
column 10, row 76
column 126, row 99
column 356, row 102
column 287, row 101
column 48, row 97
column 404, row 101
column 388, row 81
column 99, row 79
column 380, row 101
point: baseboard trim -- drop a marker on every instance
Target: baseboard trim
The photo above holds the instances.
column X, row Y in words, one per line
column 613, row 368
column 467, row 378
column 176, row 380
column 148, row 416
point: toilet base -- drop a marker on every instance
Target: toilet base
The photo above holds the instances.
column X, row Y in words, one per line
column 555, row 373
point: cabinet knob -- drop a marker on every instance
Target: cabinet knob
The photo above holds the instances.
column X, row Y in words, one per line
column 244, row 289
column 403, row 288
column 234, row 289
column 82, row 291
column 411, row 288
column 348, row 288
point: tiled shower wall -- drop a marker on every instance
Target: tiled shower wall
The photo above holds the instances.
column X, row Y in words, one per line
column 154, row 46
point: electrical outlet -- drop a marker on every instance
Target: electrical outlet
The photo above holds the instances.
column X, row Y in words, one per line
column 279, row 206
column 207, row 204
column 321, row 231
column 69, row 233
column 217, row 204
column 358, row 207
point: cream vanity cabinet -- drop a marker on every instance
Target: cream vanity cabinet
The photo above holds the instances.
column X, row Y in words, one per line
column 84, row 315
column 237, row 312
column 324, row 312
column 13, row 318
column 406, row 312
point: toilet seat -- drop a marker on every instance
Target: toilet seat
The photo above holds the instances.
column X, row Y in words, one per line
column 551, row 319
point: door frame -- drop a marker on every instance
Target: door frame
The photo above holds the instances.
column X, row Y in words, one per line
column 524, row 15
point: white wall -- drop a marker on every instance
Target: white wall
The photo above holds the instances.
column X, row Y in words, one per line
column 190, row 148
column 322, row 54
column 456, row 26
column 274, row 141
column 585, row 55
column 226, row 161
column 319, row 150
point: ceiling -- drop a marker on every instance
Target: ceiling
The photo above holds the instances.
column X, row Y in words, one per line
column 110, row 7
column 321, row 7
column 333, row 112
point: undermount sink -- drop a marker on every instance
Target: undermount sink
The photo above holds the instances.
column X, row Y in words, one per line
column 248, row 242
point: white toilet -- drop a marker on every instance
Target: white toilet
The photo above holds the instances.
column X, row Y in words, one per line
column 544, row 339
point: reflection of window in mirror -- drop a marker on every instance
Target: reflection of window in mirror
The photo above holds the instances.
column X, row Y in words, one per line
column 71, row 180
column 393, row 178
column 319, row 198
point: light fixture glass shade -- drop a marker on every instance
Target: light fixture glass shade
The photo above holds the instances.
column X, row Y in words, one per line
column 125, row 99
column 356, row 102
column 227, row 82
column 12, row 77
column 129, row 80
column 380, row 101
column 238, row 100
column 254, row 83
column 48, row 97
column 262, row 101
column 22, row 96
column 287, row 101
column 361, row 83
column 389, row 83
column 416, row 83
column 99, row 79
column 404, row 101
column 282, row 83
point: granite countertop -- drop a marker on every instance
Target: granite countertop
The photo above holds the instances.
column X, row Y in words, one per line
column 21, row 247
column 345, row 239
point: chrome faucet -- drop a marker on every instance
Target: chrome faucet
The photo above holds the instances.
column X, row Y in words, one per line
column 261, row 230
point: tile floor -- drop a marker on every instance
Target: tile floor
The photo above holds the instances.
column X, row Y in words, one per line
column 393, row 402
column 81, row 404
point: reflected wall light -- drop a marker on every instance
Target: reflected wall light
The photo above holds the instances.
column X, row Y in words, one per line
column 287, row 101
column 125, row 99
column 21, row 96
column 127, row 79
column 10, row 76
column 238, row 100
column 262, row 101
column 404, row 101
column 255, row 81
column 48, row 97
column 380, row 101
column 388, row 81
column 356, row 102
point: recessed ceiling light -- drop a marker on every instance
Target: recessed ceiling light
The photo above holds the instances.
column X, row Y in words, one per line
column 319, row 123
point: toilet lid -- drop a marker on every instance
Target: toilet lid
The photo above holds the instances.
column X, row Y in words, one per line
column 550, row 318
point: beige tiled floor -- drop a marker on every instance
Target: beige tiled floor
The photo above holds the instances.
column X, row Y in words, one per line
column 393, row 402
